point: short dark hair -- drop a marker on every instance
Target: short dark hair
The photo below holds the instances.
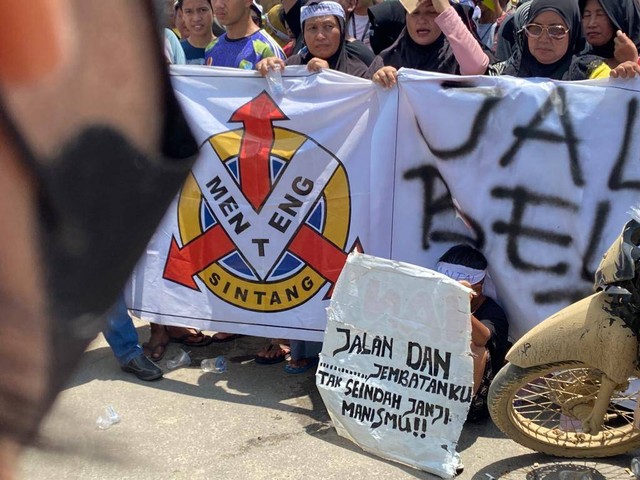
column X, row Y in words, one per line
column 180, row 2
column 464, row 255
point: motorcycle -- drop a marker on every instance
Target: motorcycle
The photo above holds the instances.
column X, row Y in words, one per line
column 572, row 383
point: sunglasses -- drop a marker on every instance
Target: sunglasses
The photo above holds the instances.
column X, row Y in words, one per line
column 557, row 32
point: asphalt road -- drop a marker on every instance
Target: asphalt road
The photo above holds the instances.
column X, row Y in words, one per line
column 252, row 422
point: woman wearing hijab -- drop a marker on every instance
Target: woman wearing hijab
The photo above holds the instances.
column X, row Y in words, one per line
column 323, row 26
column 508, row 39
column 612, row 31
column 550, row 39
column 435, row 39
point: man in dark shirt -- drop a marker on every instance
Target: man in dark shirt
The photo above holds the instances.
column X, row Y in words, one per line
column 489, row 326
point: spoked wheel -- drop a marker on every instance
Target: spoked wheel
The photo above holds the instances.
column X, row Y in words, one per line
column 543, row 407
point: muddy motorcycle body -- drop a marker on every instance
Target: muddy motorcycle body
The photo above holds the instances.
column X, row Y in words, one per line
column 572, row 384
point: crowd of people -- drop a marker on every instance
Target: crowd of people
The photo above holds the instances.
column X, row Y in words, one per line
column 555, row 39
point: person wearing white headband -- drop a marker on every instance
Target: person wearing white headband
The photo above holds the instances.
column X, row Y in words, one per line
column 323, row 26
column 489, row 326
column 324, row 37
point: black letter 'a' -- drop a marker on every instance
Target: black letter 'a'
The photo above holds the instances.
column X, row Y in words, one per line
column 557, row 102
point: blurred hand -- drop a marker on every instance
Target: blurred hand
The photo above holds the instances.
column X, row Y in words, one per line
column 626, row 70
column 441, row 5
column 625, row 49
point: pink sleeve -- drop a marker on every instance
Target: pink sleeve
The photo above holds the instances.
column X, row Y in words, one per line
column 466, row 49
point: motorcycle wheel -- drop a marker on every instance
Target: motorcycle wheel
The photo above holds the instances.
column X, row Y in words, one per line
column 531, row 406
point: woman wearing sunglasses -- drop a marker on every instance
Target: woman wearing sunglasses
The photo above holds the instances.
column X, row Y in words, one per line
column 552, row 36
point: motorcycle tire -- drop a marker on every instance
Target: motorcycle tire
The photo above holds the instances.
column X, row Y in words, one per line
column 525, row 404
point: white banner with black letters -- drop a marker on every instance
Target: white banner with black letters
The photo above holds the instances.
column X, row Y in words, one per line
column 542, row 174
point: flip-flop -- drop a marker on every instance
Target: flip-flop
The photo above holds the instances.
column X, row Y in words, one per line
column 295, row 370
column 229, row 338
column 154, row 354
column 203, row 341
column 281, row 357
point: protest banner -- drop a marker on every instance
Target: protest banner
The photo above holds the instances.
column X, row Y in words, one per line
column 538, row 175
column 395, row 371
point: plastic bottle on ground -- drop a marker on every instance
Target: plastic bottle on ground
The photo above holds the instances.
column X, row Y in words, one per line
column 108, row 418
column 214, row 365
column 182, row 359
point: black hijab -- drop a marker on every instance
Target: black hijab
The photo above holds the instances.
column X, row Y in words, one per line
column 526, row 65
column 435, row 57
column 387, row 19
column 343, row 60
column 625, row 16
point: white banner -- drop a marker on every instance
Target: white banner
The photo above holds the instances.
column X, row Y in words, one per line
column 278, row 198
column 287, row 186
column 544, row 172
column 395, row 371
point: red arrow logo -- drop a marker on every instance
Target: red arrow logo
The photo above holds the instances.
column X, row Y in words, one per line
column 255, row 182
column 320, row 254
column 183, row 263
column 257, row 116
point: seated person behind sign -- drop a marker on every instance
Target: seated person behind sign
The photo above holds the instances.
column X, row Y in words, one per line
column 489, row 327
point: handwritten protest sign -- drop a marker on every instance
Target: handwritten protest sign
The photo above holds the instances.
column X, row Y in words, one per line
column 395, row 371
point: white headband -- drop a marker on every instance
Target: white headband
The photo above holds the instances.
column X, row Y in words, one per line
column 460, row 272
column 320, row 10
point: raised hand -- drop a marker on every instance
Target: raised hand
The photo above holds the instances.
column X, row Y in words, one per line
column 441, row 5
column 625, row 49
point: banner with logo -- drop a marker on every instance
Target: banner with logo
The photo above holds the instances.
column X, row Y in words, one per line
column 279, row 196
column 395, row 371
column 538, row 175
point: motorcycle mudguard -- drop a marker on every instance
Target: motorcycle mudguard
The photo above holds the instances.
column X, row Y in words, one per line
column 618, row 262
column 585, row 331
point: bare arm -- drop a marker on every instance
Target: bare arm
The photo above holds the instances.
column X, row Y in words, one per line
column 480, row 334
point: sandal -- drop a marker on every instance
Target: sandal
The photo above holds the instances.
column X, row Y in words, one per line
column 156, row 352
column 270, row 356
column 228, row 337
column 192, row 339
column 310, row 363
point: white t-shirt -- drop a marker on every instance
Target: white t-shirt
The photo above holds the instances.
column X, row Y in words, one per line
column 361, row 30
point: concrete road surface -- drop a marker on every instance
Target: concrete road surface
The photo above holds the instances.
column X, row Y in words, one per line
column 252, row 422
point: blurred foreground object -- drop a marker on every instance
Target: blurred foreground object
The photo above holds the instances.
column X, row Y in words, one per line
column 93, row 147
